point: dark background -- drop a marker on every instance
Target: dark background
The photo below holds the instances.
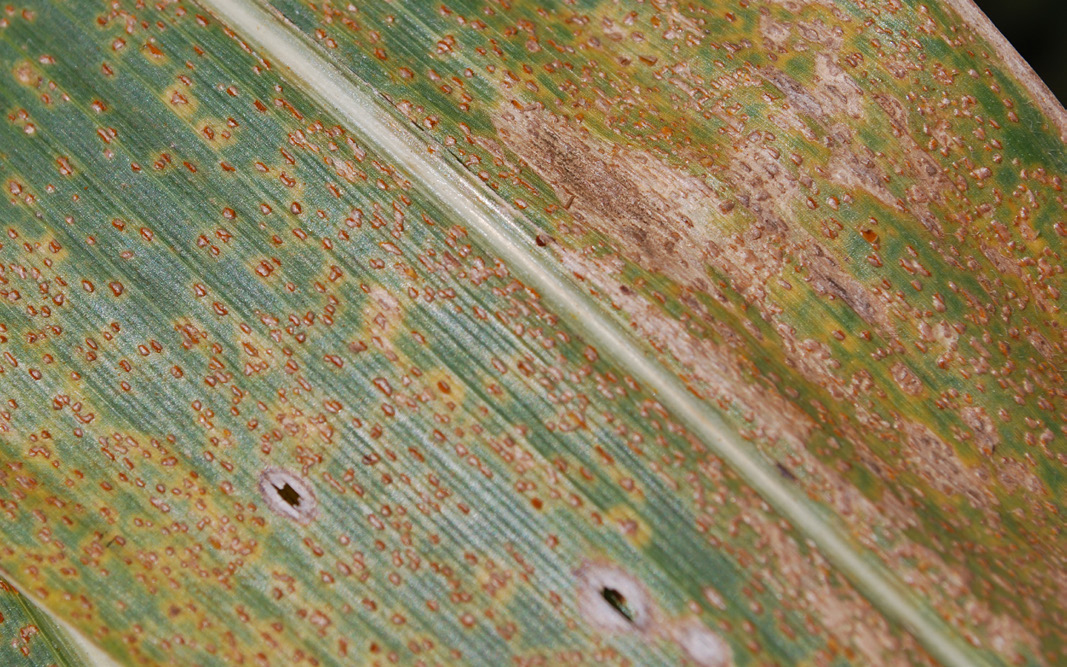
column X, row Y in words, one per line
column 1038, row 31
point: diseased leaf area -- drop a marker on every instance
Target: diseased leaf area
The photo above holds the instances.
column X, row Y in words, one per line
column 28, row 636
column 263, row 401
column 840, row 223
column 213, row 294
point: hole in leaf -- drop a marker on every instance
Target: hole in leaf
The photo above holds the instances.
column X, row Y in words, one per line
column 612, row 600
column 618, row 602
column 289, row 495
column 785, row 472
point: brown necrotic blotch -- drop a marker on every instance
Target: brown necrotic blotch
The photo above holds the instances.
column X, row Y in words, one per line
column 288, row 495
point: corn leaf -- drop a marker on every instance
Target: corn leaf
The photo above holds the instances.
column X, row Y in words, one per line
column 483, row 332
column 30, row 636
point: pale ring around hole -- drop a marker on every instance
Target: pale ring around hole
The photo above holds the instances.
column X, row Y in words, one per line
column 594, row 579
column 272, row 481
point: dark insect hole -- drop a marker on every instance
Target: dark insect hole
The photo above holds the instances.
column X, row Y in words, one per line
column 785, row 472
column 289, row 495
column 618, row 602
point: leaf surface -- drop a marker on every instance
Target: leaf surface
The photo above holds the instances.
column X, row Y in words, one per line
column 476, row 333
column 30, row 636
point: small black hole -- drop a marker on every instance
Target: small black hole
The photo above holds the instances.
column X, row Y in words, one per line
column 618, row 602
column 289, row 495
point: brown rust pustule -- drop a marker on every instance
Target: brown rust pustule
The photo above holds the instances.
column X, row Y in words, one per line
column 936, row 461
